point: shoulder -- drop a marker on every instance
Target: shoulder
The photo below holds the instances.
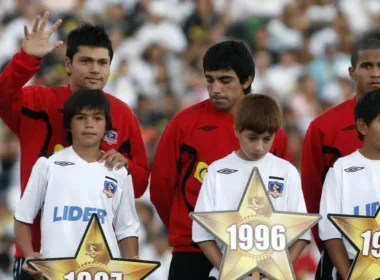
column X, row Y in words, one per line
column 224, row 164
column 117, row 105
column 349, row 163
column 283, row 167
column 188, row 113
column 61, row 158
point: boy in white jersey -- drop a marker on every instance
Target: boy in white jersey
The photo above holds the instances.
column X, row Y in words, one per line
column 257, row 119
column 352, row 185
column 71, row 185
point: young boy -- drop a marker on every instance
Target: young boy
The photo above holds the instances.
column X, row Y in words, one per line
column 71, row 185
column 257, row 119
column 352, row 184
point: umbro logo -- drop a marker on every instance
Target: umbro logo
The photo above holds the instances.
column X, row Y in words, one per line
column 226, row 171
column 207, row 127
column 353, row 169
column 64, row 163
column 350, row 127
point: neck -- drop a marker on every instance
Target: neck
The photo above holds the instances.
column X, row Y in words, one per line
column 370, row 152
column 358, row 94
column 89, row 154
column 73, row 88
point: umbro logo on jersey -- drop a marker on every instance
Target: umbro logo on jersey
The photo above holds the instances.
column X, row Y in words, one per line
column 207, row 127
column 64, row 163
column 226, row 171
column 350, row 127
column 353, row 169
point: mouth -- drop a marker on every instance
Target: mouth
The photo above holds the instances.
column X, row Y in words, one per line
column 89, row 134
column 376, row 84
column 94, row 79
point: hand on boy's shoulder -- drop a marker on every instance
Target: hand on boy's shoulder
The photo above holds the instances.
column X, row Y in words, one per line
column 113, row 159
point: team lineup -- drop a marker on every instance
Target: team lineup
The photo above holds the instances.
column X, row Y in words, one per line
column 88, row 158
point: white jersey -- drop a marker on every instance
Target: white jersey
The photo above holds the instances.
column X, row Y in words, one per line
column 351, row 187
column 226, row 179
column 69, row 190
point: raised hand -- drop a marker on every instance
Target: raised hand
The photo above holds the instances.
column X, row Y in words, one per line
column 36, row 43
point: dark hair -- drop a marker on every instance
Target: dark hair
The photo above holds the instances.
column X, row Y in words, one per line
column 89, row 99
column 370, row 40
column 90, row 36
column 368, row 108
column 230, row 55
column 259, row 113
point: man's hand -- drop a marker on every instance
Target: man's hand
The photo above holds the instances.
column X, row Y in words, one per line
column 36, row 43
column 33, row 273
column 113, row 159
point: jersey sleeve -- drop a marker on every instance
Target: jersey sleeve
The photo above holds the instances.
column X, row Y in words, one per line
column 34, row 195
column 296, row 201
column 331, row 203
column 280, row 145
column 165, row 171
column 205, row 203
column 13, row 97
column 126, row 221
column 137, row 159
column 312, row 172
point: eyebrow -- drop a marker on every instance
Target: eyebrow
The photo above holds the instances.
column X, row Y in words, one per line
column 91, row 58
column 220, row 77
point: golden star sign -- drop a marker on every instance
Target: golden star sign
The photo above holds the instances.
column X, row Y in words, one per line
column 256, row 236
column 93, row 258
column 363, row 233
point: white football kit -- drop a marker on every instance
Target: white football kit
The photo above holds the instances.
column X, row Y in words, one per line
column 225, row 182
column 351, row 187
column 69, row 190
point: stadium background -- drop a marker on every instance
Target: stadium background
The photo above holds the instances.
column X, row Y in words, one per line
column 301, row 49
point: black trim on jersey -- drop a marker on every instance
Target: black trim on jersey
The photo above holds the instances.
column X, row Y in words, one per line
column 129, row 173
column 331, row 150
column 125, row 148
column 40, row 115
column 276, row 178
column 112, row 179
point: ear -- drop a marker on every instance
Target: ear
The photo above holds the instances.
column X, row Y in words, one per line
column 237, row 133
column 351, row 71
column 248, row 82
column 68, row 66
column 362, row 127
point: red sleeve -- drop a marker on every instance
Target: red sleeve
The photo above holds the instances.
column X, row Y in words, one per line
column 13, row 96
column 137, row 159
column 280, row 145
column 164, row 171
column 312, row 172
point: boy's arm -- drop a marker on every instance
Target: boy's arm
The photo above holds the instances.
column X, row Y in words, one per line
column 312, row 172
column 126, row 221
column 296, row 249
column 212, row 252
column 165, row 171
column 280, row 144
column 332, row 238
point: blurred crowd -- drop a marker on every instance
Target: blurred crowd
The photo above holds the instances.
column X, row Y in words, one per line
column 301, row 49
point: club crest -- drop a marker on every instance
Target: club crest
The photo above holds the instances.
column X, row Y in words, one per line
column 275, row 188
column 111, row 137
column 109, row 188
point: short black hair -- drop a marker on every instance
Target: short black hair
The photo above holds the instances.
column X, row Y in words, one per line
column 370, row 40
column 85, row 98
column 90, row 36
column 368, row 108
column 230, row 55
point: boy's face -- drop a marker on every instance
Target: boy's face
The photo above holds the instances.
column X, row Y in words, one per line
column 371, row 132
column 90, row 68
column 224, row 88
column 254, row 146
column 88, row 127
column 367, row 71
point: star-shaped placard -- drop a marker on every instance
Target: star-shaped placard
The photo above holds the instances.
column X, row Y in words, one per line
column 267, row 234
column 363, row 233
column 94, row 257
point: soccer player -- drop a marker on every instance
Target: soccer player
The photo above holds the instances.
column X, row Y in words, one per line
column 352, row 184
column 193, row 139
column 333, row 134
column 71, row 185
column 34, row 114
column 257, row 119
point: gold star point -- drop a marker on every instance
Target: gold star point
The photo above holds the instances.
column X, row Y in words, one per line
column 94, row 256
column 362, row 232
column 255, row 211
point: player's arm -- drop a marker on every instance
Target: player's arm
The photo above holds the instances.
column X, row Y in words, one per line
column 312, row 172
column 280, row 144
column 126, row 221
column 22, row 67
column 201, row 236
column 165, row 170
column 332, row 238
column 296, row 203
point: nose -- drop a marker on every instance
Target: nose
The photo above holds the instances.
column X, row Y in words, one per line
column 376, row 71
column 94, row 68
column 258, row 148
column 89, row 123
column 216, row 88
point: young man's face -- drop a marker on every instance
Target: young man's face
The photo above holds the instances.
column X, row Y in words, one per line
column 367, row 71
column 88, row 128
column 224, row 88
column 254, row 146
column 89, row 68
